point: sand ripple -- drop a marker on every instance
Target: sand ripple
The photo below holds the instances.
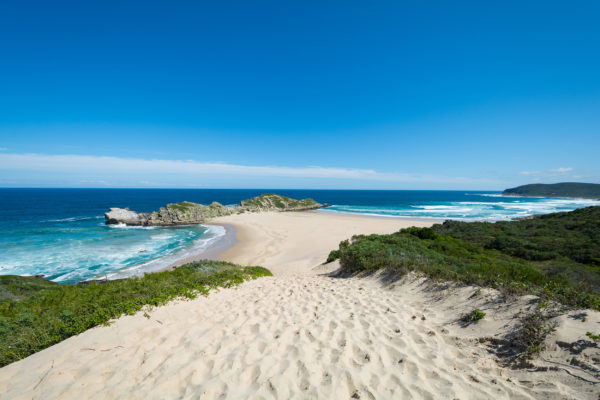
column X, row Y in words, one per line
column 273, row 338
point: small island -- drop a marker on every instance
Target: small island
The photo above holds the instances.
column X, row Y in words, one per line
column 565, row 189
column 186, row 212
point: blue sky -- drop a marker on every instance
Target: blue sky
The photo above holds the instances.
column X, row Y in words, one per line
column 339, row 94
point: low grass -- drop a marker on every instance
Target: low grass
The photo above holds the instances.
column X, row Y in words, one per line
column 535, row 327
column 595, row 338
column 308, row 203
column 22, row 287
column 469, row 253
column 35, row 314
column 278, row 203
column 473, row 316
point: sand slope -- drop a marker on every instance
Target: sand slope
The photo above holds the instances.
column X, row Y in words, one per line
column 301, row 334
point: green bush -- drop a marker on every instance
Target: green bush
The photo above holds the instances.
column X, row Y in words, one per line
column 574, row 236
column 473, row 316
column 333, row 255
column 421, row 233
column 592, row 336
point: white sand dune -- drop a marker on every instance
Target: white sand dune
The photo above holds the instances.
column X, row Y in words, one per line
column 303, row 334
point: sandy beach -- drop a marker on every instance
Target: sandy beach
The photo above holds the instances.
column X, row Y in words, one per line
column 296, row 243
column 308, row 335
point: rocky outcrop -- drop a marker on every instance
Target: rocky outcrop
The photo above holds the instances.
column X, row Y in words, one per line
column 183, row 213
column 277, row 202
column 124, row 216
column 186, row 212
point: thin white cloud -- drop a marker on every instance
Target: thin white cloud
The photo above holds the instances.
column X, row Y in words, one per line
column 555, row 172
column 562, row 170
column 3, row 149
column 531, row 173
column 100, row 166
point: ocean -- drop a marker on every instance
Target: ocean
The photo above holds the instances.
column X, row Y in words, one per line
column 60, row 233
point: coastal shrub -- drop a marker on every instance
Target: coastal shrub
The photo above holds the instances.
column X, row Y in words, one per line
column 573, row 236
column 333, row 255
column 595, row 338
column 35, row 313
column 21, row 287
column 473, row 316
column 279, row 203
column 524, row 263
column 421, row 233
column 535, row 328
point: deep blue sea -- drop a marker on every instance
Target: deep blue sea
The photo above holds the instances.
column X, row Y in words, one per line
column 61, row 234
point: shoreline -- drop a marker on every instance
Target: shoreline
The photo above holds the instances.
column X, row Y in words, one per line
column 238, row 236
column 433, row 220
column 212, row 252
column 224, row 249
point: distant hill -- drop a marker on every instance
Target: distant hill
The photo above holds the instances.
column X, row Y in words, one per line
column 565, row 189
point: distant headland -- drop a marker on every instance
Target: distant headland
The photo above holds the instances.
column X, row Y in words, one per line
column 565, row 189
column 186, row 212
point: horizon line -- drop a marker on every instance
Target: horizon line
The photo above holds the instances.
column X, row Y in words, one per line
column 246, row 188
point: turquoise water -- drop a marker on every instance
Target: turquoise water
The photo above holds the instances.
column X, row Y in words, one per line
column 60, row 233
column 470, row 207
column 78, row 248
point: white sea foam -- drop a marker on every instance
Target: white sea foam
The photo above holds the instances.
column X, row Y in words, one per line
column 84, row 254
column 435, row 207
column 73, row 219
column 341, row 212
column 213, row 234
column 471, row 210
column 486, row 194
column 121, row 225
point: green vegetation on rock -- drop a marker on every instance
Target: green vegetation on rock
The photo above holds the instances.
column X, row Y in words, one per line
column 186, row 212
column 555, row 256
column 272, row 201
column 183, row 206
column 566, row 189
column 35, row 313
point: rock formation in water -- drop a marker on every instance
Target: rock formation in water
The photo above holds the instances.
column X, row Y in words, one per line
column 185, row 213
column 276, row 202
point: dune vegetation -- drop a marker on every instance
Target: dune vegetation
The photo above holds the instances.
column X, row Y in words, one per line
column 554, row 256
column 36, row 313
